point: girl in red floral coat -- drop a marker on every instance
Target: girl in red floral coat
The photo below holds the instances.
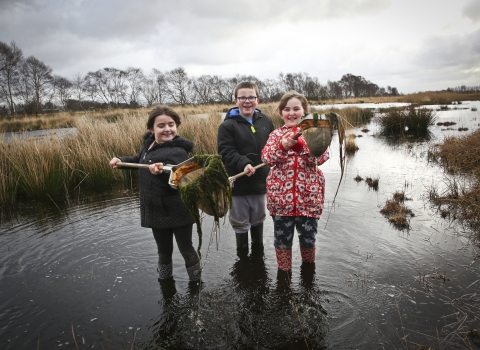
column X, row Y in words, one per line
column 295, row 184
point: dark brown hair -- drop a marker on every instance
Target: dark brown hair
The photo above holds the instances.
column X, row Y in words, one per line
column 288, row 96
column 247, row 85
column 159, row 110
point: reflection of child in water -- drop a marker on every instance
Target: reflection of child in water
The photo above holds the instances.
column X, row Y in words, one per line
column 161, row 207
column 295, row 185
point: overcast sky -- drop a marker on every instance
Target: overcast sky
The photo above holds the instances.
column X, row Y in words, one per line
column 414, row 45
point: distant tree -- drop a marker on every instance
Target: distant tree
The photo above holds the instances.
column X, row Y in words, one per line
column 10, row 60
column 334, row 90
column 63, row 89
column 154, row 88
column 35, row 86
column 180, row 86
column 270, row 90
column 134, row 79
column 203, row 89
column 222, row 89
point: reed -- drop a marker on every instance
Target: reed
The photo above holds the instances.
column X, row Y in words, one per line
column 406, row 121
column 350, row 147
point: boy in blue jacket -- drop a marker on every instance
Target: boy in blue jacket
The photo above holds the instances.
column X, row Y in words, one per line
column 241, row 138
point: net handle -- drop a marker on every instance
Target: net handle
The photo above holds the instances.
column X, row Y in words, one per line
column 166, row 168
column 234, row 177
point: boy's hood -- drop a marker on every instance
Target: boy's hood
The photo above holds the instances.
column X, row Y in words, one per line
column 235, row 112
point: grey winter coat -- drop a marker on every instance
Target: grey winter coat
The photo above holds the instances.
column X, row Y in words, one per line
column 239, row 144
column 160, row 204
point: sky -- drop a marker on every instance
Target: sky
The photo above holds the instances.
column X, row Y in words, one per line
column 413, row 45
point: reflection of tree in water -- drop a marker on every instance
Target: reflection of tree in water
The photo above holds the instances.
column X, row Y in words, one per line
column 247, row 311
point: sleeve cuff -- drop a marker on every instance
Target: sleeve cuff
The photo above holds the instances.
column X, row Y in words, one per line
column 299, row 145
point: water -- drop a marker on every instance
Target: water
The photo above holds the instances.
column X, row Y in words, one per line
column 8, row 136
column 86, row 277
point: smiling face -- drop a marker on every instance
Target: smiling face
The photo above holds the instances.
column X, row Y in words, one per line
column 247, row 107
column 292, row 111
column 164, row 128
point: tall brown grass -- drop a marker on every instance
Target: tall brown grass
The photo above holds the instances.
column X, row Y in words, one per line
column 461, row 196
column 46, row 167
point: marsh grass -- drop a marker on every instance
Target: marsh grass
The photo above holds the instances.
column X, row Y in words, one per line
column 52, row 167
column 56, row 120
column 460, row 198
column 397, row 213
column 372, row 183
column 406, row 121
column 353, row 116
column 351, row 147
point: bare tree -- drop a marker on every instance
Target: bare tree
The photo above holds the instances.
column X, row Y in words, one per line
column 334, row 89
column 134, row 80
column 270, row 90
column 203, row 89
column 10, row 59
column 154, row 88
column 64, row 89
column 222, row 91
column 179, row 86
column 35, row 86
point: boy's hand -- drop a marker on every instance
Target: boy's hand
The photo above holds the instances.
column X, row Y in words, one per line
column 249, row 169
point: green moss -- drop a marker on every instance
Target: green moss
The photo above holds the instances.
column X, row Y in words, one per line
column 201, row 190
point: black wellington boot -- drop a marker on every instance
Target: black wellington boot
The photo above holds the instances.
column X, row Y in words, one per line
column 256, row 232
column 242, row 244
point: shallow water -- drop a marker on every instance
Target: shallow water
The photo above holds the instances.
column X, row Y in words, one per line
column 86, row 277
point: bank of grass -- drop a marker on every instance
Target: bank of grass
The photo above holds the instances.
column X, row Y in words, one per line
column 406, row 121
column 460, row 198
column 57, row 166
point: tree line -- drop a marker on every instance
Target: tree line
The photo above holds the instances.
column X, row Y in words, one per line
column 463, row 89
column 29, row 86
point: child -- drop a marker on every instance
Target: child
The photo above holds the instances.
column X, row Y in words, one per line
column 161, row 207
column 295, row 185
column 241, row 138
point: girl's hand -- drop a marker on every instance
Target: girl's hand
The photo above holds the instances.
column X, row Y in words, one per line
column 287, row 140
column 113, row 162
column 156, row 168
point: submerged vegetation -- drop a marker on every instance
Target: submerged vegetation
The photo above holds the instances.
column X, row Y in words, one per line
column 406, row 121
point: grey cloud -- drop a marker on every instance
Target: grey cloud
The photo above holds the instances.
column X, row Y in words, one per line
column 457, row 51
column 131, row 19
column 472, row 10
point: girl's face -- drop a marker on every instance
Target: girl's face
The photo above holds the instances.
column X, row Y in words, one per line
column 164, row 128
column 292, row 111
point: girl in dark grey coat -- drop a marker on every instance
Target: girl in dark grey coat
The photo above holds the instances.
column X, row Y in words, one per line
column 161, row 207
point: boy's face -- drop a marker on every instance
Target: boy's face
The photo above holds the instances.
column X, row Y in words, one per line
column 247, row 100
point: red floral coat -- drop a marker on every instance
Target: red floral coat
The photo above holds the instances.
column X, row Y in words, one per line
column 295, row 184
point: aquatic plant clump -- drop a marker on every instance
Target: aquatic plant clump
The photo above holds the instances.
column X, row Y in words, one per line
column 406, row 121
column 397, row 214
column 211, row 189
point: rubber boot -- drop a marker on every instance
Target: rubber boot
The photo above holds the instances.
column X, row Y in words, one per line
column 194, row 272
column 167, row 286
column 307, row 275
column 308, row 254
column 164, row 271
column 242, row 244
column 256, row 233
column 284, row 258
